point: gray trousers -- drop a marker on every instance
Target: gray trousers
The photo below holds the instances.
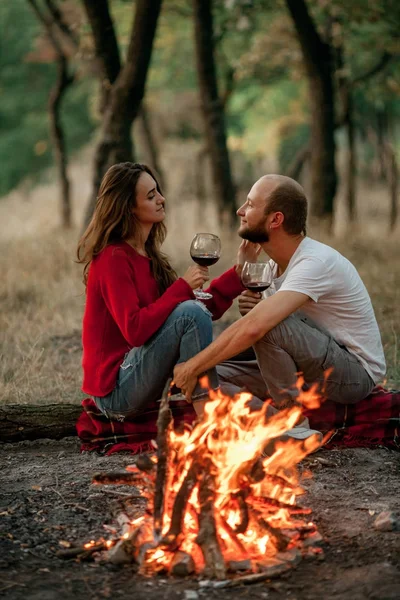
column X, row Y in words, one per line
column 295, row 346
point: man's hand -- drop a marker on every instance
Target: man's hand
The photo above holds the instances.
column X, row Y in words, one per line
column 184, row 379
column 248, row 300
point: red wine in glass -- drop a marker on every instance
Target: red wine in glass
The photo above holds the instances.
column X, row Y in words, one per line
column 205, row 260
column 257, row 286
column 205, row 250
column 257, row 277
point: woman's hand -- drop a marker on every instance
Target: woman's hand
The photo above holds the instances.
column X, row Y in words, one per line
column 248, row 252
column 248, row 300
column 195, row 276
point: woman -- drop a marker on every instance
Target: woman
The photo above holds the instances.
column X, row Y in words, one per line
column 140, row 318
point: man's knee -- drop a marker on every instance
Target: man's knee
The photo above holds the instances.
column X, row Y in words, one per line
column 281, row 332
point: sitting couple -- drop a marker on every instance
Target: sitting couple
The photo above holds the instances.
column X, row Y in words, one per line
column 142, row 323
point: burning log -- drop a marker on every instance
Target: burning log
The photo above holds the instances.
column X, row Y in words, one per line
column 164, row 422
column 124, row 550
column 279, row 540
column 258, row 474
column 234, row 540
column 81, row 552
column 144, row 463
column 122, row 478
column 244, row 513
column 182, row 564
column 207, row 537
column 214, row 506
column 180, row 504
column 270, row 504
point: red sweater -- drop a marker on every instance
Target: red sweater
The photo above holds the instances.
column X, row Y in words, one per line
column 124, row 309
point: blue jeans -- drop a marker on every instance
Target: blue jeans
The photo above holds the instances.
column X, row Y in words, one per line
column 145, row 370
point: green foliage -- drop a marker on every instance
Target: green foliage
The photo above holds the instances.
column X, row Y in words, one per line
column 25, row 84
column 267, row 109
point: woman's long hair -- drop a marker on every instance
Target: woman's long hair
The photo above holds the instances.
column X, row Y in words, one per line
column 113, row 221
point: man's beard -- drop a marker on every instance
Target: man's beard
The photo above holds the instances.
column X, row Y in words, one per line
column 257, row 235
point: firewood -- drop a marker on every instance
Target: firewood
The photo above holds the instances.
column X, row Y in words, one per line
column 80, row 551
column 124, row 550
column 270, row 505
column 180, row 503
column 182, row 564
column 244, row 513
column 240, row 549
column 279, row 540
column 117, row 478
column 258, row 474
column 207, row 537
column 164, row 421
column 144, row 463
column 267, row 573
column 239, row 565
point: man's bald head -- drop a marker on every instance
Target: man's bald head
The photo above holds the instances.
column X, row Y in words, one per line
column 284, row 194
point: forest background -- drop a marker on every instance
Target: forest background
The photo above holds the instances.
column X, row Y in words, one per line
column 212, row 95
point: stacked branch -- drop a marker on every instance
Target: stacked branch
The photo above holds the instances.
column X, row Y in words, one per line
column 209, row 515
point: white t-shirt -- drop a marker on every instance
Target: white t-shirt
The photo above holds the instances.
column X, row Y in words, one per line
column 339, row 302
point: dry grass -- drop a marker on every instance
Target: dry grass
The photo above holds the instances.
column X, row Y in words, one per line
column 42, row 299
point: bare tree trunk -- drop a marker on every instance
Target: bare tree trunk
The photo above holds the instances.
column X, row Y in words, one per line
column 57, row 132
column 393, row 180
column 299, row 160
column 381, row 149
column 125, row 97
column 318, row 62
column 64, row 80
column 149, row 143
column 213, row 109
column 201, row 160
column 200, row 173
column 351, row 162
column 106, row 45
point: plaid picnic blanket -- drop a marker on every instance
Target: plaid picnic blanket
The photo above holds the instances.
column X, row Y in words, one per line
column 375, row 421
column 99, row 433
column 372, row 422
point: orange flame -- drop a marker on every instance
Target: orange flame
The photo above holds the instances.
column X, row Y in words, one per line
column 254, row 494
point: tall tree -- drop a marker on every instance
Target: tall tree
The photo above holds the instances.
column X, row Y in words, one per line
column 212, row 107
column 106, row 45
column 50, row 20
column 127, row 91
column 317, row 56
column 346, row 89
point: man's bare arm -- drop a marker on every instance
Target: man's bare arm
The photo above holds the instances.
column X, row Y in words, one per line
column 238, row 337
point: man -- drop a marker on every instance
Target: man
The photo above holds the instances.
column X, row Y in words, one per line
column 319, row 319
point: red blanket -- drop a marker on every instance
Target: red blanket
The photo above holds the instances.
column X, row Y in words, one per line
column 97, row 432
column 374, row 421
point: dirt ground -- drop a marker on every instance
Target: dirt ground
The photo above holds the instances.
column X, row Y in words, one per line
column 46, row 499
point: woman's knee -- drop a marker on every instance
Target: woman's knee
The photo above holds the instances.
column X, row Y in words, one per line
column 192, row 309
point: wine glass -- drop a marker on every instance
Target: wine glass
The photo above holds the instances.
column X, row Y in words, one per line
column 205, row 250
column 257, row 277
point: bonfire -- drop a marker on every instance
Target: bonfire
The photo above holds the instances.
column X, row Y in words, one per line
column 221, row 494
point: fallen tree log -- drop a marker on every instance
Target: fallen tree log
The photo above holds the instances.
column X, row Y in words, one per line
column 31, row 422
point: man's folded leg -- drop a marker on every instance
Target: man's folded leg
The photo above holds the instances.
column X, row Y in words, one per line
column 245, row 375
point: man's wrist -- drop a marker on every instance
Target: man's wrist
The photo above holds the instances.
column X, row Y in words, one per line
column 190, row 368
